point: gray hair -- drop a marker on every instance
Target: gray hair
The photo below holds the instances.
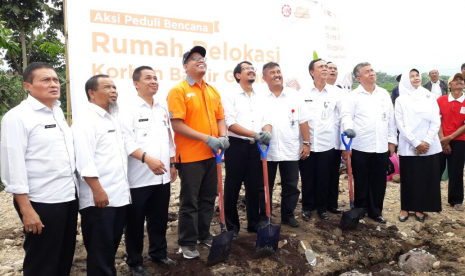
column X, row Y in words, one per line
column 358, row 67
column 269, row 65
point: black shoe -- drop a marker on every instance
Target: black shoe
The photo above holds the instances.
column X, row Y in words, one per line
column 165, row 261
column 306, row 215
column 420, row 219
column 335, row 210
column 292, row 222
column 323, row 216
column 235, row 236
column 379, row 219
column 139, row 271
column 403, row 219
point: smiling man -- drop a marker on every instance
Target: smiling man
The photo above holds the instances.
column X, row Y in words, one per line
column 37, row 166
column 197, row 118
column 102, row 165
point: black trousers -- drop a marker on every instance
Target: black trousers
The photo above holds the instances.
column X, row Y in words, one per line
column 369, row 171
column 102, row 229
column 148, row 203
column 333, row 191
column 51, row 253
column 196, row 201
column 314, row 173
column 289, row 171
column 455, row 164
column 243, row 164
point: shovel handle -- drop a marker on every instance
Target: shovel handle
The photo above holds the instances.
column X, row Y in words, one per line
column 347, row 145
column 263, row 153
column 219, row 173
column 349, row 169
column 265, row 180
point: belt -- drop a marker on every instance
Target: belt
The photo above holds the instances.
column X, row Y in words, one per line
column 242, row 141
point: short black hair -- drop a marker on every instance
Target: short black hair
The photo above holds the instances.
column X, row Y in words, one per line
column 92, row 83
column 28, row 74
column 463, row 66
column 269, row 65
column 238, row 69
column 136, row 74
column 311, row 65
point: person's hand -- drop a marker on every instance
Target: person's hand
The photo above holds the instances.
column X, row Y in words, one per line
column 350, row 133
column 155, row 165
column 214, row 143
column 346, row 154
column 304, row 152
column 225, row 141
column 173, row 174
column 446, row 149
column 101, row 198
column 264, row 137
column 31, row 221
column 392, row 149
column 445, row 141
column 422, row 148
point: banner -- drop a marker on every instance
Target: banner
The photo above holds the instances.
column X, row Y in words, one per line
column 114, row 37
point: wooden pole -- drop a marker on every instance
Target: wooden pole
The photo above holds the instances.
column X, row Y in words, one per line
column 68, row 90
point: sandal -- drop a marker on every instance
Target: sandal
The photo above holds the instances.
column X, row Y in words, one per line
column 459, row 207
column 402, row 218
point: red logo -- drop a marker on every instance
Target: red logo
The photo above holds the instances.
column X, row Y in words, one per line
column 286, row 10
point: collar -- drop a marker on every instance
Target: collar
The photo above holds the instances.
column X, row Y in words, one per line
column 283, row 93
column 36, row 105
column 361, row 89
column 100, row 111
column 191, row 81
column 140, row 102
column 438, row 82
column 460, row 100
column 325, row 89
column 243, row 92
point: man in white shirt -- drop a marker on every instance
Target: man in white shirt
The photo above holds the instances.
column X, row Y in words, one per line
column 38, row 167
column 148, row 141
column 290, row 126
column 373, row 119
column 247, row 123
column 102, row 165
column 324, row 103
column 437, row 86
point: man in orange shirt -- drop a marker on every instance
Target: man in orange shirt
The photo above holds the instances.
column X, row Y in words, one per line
column 197, row 118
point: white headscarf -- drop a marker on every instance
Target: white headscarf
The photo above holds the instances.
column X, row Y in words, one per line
column 420, row 103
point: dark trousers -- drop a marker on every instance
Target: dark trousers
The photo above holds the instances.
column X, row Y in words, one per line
column 196, row 201
column 289, row 171
column 333, row 191
column 369, row 171
column 148, row 203
column 102, row 229
column 243, row 164
column 455, row 164
column 314, row 173
column 51, row 253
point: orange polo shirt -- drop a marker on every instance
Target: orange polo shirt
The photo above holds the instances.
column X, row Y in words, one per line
column 199, row 107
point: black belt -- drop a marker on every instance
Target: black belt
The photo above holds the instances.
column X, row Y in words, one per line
column 242, row 141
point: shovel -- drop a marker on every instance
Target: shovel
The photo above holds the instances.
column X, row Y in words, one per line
column 349, row 219
column 267, row 236
column 309, row 254
column 221, row 244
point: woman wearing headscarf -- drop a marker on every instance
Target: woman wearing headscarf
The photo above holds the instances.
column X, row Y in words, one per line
column 417, row 119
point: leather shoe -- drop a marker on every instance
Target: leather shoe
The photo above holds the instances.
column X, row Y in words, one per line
column 165, row 261
column 306, row 215
column 379, row 219
column 335, row 210
column 138, row 271
column 323, row 216
column 420, row 219
column 292, row 222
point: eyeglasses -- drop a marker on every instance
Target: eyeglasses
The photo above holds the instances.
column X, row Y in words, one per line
column 249, row 69
column 197, row 58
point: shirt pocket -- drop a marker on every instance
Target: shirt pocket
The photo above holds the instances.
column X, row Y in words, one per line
column 142, row 128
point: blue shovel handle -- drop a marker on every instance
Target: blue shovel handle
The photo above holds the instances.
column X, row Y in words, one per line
column 219, row 157
column 263, row 153
column 344, row 141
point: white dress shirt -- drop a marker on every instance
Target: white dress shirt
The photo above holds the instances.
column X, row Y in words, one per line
column 436, row 89
column 288, row 112
column 248, row 112
column 338, row 128
column 326, row 112
column 37, row 153
column 99, row 148
column 147, row 128
column 373, row 119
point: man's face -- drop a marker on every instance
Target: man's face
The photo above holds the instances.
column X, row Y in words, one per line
column 320, row 70
column 195, row 67
column 105, row 94
column 456, row 84
column 434, row 75
column 45, row 86
column 148, row 83
column 332, row 76
column 463, row 70
column 367, row 75
column 247, row 73
column 272, row 76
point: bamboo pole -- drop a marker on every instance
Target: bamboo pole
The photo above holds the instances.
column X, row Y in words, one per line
column 68, row 90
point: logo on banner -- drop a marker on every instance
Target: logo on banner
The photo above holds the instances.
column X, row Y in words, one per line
column 286, row 10
column 302, row 13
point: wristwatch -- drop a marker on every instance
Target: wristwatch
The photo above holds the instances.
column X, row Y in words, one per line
column 173, row 165
column 306, row 143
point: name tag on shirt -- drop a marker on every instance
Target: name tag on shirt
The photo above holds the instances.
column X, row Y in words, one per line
column 111, row 130
column 54, row 125
column 462, row 110
column 308, row 101
column 143, row 120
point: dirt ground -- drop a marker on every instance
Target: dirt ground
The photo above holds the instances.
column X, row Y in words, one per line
column 371, row 248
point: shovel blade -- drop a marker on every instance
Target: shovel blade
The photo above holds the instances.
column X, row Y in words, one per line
column 221, row 247
column 350, row 219
column 267, row 240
